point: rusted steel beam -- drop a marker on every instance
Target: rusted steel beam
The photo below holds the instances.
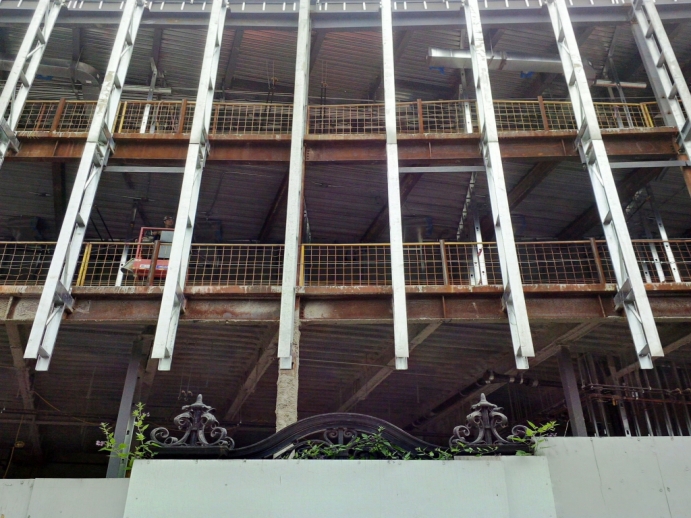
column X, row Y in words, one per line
column 24, row 380
column 278, row 203
column 536, row 145
column 266, row 355
column 520, row 192
column 361, row 387
column 627, row 188
column 381, row 221
column 263, row 309
column 471, row 392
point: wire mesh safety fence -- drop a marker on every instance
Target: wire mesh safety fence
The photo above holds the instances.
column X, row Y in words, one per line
column 24, row 264
column 149, row 117
column 251, row 119
column 76, row 117
column 37, row 116
column 655, row 264
column 346, row 265
column 426, row 264
column 235, row 265
column 105, row 262
column 175, row 117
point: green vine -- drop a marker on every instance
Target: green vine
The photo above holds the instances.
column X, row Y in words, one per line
column 142, row 448
column 376, row 446
column 535, row 435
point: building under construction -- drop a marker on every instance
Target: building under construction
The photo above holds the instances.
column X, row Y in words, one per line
column 383, row 208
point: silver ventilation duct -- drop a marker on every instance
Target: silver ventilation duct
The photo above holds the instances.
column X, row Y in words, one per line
column 508, row 61
column 87, row 75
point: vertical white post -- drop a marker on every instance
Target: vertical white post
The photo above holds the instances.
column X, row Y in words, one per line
column 400, row 314
column 513, row 298
column 663, row 235
column 23, row 71
column 173, row 299
column 670, row 88
column 296, row 174
column 56, row 297
column 632, row 296
column 479, row 251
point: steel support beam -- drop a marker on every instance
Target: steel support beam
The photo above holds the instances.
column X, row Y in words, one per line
column 232, row 60
column 24, row 70
column 467, row 394
column 296, row 179
column 364, row 385
column 173, row 301
column 381, row 220
column 24, row 383
column 571, row 395
column 532, row 179
column 268, row 344
column 56, row 297
column 402, row 40
column 513, row 299
column 669, row 348
column 665, row 75
column 278, row 203
column 632, row 297
column 400, row 318
column 627, row 189
column 124, row 426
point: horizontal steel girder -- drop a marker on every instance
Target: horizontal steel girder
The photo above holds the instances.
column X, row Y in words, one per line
column 141, row 306
column 538, row 145
column 360, row 16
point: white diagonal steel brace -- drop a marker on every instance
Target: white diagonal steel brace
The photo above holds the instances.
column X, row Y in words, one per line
column 632, row 296
column 400, row 314
column 24, row 70
column 56, row 297
column 296, row 175
column 172, row 302
column 513, row 298
column 662, row 67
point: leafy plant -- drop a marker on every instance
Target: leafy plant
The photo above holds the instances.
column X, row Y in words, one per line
column 142, row 448
column 376, row 446
column 534, row 436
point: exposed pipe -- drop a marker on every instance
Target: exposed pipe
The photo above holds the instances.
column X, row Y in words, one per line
column 507, row 61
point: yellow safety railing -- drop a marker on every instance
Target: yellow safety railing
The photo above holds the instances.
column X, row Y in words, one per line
column 429, row 117
column 426, row 264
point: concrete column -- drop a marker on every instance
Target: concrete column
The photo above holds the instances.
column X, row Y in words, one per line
column 288, row 380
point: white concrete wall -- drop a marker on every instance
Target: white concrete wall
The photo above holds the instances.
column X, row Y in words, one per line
column 620, row 477
column 570, row 478
column 302, row 489
column 65, row 498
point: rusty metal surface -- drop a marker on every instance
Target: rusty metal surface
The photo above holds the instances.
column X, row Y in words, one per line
column 538, row 145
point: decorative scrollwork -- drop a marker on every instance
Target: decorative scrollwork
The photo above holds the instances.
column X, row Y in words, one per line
column 484, row 423
column 195, row 422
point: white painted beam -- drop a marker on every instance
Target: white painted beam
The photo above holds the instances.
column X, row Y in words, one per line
column 56, row 297
column 632, row 297
column 400, row 314
column 173, row 302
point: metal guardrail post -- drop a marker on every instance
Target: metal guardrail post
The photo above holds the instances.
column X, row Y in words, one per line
column 173, row 299
column 400, row 314
column 24, row 70
column 598, row 262
column 513, row 298
column 56, row 297
column 58, row 113
column 287, row 334
column 631, row 296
